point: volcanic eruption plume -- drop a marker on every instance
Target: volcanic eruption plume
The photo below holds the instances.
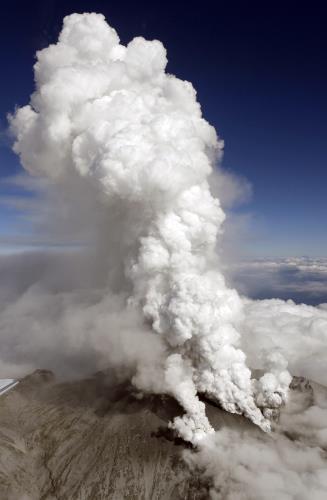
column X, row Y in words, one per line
column 111, row 117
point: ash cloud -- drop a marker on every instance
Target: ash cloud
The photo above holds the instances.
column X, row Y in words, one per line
column 106, row 123
column 127, row 160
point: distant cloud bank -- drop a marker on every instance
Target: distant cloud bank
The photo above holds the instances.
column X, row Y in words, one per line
column 302, row 279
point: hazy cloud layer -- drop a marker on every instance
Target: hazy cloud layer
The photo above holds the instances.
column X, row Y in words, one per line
column 301, row 279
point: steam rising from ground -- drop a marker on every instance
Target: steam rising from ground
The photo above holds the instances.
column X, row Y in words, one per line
column 290, row 463
column 110, row 129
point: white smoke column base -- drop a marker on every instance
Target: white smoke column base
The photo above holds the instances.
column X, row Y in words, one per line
column 111, row 114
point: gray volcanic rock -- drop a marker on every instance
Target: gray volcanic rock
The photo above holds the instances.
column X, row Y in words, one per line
column 89, row 440
column 94, row 439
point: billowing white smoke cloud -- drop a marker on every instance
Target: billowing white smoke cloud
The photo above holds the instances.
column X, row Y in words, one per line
column 127, row 142
column 289, row 464
column 112, row 114
column 298, row 332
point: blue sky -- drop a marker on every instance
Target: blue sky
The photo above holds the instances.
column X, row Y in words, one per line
column 261, row 76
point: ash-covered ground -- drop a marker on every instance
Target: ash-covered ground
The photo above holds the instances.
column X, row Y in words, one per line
column 94, row 439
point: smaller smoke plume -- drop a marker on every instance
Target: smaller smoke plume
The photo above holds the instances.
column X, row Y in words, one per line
column 289, row 464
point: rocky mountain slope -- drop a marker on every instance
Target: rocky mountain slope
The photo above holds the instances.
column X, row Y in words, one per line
column 92, row 439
